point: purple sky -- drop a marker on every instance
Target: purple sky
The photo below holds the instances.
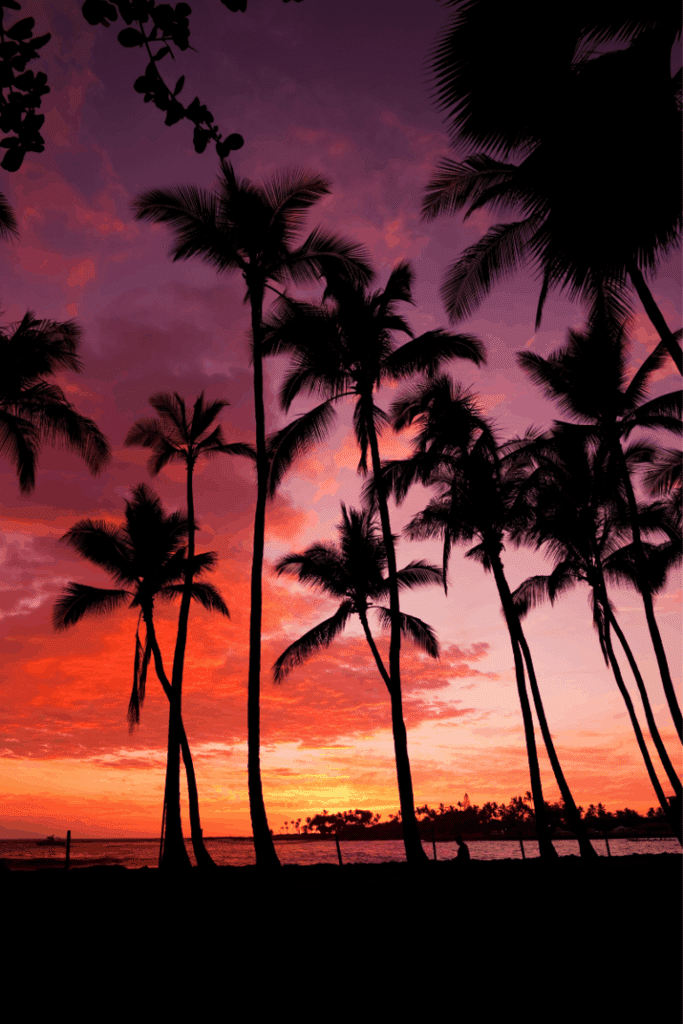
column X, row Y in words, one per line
column 342, row 90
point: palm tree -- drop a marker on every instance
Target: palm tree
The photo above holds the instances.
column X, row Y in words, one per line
column 354, row 572
column 589, row 219
column 147, row 558
column 574, row 507
column 33, row 409
column 456, row 450
column 344, row 347
column 588, row 378
column 173, row 437
column 251, row 229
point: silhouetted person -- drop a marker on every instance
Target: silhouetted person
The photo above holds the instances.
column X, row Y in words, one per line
column 463, row 849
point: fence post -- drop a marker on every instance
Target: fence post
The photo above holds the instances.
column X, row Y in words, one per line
column 336, row 839
column 609, row 852
column 433, row 841
column 68, row 848
column 521, row 846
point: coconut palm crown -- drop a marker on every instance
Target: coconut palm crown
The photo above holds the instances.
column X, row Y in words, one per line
column 354, row 571
column 33, row 408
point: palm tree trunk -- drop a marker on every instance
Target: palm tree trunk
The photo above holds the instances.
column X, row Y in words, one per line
column 403, row 774
column 202, row 855
column 655, row 315
column 373, row 647
column 573, row 815
column 545, row 845
column 264, row 847
column 663, row 802
column 174, row 853
column 415, row 853
column 646, row 594
column 652, row 725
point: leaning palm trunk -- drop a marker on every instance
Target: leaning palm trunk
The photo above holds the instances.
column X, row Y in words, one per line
column 573, row 816
column 264, row 847
column 202, row 855
column 400, row 736
column 646, row 594
column 545, row 845
column 415, row 853
column 174, row 855
column 652, row 725
column 655, row 315
column 673, row 820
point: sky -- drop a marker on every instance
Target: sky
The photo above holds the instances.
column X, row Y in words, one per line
column 341, row 90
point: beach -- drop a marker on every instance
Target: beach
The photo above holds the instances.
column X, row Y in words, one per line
column 611, row 926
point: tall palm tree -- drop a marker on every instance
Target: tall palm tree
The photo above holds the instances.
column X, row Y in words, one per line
column 345, row 347
column 147, row 558
column 456, row 450
column 574, row 507
column 589, row 219
column 175, row 437
column 251, row 229
column 32, row 408
column 354, row 572
column 588, row 378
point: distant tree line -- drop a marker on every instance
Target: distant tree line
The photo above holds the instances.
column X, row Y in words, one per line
column 445, row 822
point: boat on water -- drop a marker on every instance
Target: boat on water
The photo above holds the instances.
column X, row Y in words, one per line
column 50, row 841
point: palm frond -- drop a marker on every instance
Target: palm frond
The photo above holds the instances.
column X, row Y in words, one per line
column 8, row 222
column 666, row 474
column 321, row 565
column 454, row 185
column 315, row 639
column 418, row 574
column 103, row 545
column 493, row 258
column 288, row 444
column 204, row 593
column 78, row 600
column 430, row 350
column 325, row 252
column 421, row 633
column 20, row 442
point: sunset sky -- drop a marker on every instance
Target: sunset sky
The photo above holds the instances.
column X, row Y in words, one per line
column 341, row 89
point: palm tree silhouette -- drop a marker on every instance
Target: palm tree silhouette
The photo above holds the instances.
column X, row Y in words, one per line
column 251, row 229
column 455, row 449
column 175, row 437
column 344, row 347
column 354, row 572
column 33, row 409
column 574, row 506
column 588, row 379
column 589, row 219
column 147, row 558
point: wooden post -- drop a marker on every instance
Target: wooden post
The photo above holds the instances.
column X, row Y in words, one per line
column 163, row 825
column 336, row 839
column 68, row 848
column 433, row 841
column 609, row 853
column 521, row 846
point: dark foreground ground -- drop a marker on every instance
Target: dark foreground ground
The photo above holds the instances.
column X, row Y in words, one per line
column 488, row 939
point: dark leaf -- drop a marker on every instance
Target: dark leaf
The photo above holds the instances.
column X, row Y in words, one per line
column 130, row 37
column 21, row 29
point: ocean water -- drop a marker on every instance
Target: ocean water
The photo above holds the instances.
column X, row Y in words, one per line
column 137, row 853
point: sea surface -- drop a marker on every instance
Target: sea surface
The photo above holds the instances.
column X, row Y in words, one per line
column 137, row 853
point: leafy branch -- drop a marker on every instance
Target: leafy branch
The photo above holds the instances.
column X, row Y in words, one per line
column 21, row 91
column 168, row 26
